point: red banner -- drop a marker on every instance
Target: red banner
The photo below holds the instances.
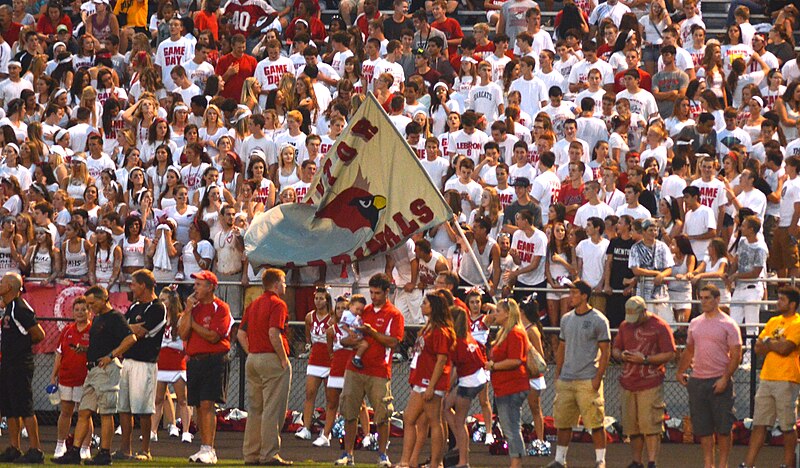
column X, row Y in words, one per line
column 56, row 301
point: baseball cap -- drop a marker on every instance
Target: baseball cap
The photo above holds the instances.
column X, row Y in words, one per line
column 634, row 308
column 207, row 276
column 62, row 27
column 521, row 182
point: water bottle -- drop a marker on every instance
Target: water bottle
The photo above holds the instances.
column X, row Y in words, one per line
column 52, row 394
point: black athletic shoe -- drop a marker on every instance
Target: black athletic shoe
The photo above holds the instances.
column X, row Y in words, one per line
column 102, row 458
column 32, row 457
column 72, row 457
column 357, row 363
column 10, row 455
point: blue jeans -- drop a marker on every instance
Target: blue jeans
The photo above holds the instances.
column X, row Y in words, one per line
column 508, row 411
column 755, row 8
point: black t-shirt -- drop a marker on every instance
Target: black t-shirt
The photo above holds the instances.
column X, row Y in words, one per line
column 392, row 29
column 107, row 332
column 620, row 251
column 153, row 316
column 18, row 318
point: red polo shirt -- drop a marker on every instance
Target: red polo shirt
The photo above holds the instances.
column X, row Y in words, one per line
column 215, row 316
column 247, row 67
column 267, row 311
column 378, row 359
column 73, row 370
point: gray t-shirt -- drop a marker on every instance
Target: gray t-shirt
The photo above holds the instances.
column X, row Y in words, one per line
column 751, row 256
column 668, row 81
column 514, row 16
column 421, row 41
column 581, row 335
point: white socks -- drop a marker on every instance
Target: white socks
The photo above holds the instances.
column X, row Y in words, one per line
column 600, row 455
column 561, row 454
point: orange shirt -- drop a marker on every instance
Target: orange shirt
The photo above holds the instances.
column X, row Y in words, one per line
column 267, row 311
column 215, row 316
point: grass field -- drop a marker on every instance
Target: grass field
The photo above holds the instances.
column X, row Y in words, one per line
column 182, row 461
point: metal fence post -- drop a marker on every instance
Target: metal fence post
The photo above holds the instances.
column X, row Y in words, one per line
column 753, row 369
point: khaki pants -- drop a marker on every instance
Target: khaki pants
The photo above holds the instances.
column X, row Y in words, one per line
column 268, row 386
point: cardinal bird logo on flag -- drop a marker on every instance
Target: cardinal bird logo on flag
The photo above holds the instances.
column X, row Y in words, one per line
column 369, row 195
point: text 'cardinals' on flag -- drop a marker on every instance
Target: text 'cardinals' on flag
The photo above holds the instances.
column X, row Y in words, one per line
column 369, row 195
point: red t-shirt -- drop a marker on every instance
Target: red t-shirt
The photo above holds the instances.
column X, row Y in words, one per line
column 645, row 81
column 247, row 67
column 267, row 311
column 570, row 195
column 172, row 356
column 652, row 337
column 426, row 352
column 508, row 382
column 460, row 304
column 215, row 316
column 73, row 370
column 315, row 28
column 12, row 34
column 468, row 357
column 244, row 15
column 451, row 30
column 377, row 359
column 204, row 21
column 45, row 26
column 484, row 51
column 363, row 22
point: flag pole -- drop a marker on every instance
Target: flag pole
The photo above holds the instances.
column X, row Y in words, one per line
column 474, row 258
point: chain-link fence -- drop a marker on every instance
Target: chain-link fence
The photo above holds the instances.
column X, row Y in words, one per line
column 745, row 379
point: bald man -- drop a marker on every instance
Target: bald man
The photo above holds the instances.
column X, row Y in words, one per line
column 20, row 331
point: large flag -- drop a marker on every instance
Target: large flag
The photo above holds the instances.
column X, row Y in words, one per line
column 369, row 195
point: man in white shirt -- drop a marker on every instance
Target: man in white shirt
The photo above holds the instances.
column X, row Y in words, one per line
column 486, row 97
column 591, row 255
column 632, row 207
column 673, row 185
column 613, row 9
column 257, row 140
column 749, row 196
column 540, row 39
column 270, row 70
column 641, row 101
column 558, row 110
column 549, row 75
column 469, row 190
column 11, row 88
column 546, row 186
column 532, row 89
column 783, row 254
column 435, row 165
column 468, row 141
column 198, row 69
column 528, row 249
column 499, row 59
column 79, row 132
column 389, row 65
column 590, row 128
column 340, row 42
column 594, row 207
column 371, row 63
column 732, row 134
column 176, row 50
column 578, row 76
column 692, row 17
column 183, row 85
column 700, row 225
column 561, row 148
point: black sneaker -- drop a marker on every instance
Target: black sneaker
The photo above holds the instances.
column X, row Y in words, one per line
column 357, row 363
column 32, row 457
column 72, row 457
column 10, row 455
column 102, row 458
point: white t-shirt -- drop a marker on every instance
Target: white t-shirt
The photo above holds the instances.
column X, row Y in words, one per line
column 699, row 222
column 712, row 195
column 587, row 210
column 756, row 201
column 528, row 248
column 436, row 170
column 790, row 195
column 171, row 53
column 640, row 212
column 269, row 74
column 594, row 259
column 486, row 100
column 642, row 102
column 545, row 189
column 472, row 189
column 673, row 187
column 468, row 145
column 533, row 93
column 580, row 72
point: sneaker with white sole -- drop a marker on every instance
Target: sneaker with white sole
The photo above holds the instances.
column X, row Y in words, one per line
column 489, row 439
column 209, row 457
column 383, row 460
column 366, row 441
column 193, row 458
column 187, row 438
column 153, row 436
column 345, row 460
column 303, row 433
column 118, row 431
column 173, row 430
column 322, row 441
column 86, row 453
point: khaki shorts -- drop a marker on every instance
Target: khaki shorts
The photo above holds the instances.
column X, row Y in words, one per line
column 137, row 387
column 576, row 398
column 101, row 389
column 783, row 253
column 356, row 387
column 776, row 400
column 643, row 411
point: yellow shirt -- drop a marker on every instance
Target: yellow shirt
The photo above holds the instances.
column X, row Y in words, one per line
column 136, row 10
column 777, row 367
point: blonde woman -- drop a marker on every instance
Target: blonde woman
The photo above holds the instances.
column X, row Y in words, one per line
column 89, row 100
column 212, row 130
column 509, row 376
column 491, row 209
column 250, row 91
column 140, row 116
column 287, row 166
column 307, row 98
column 654, row 24
column 241, row 130
column 78, row 179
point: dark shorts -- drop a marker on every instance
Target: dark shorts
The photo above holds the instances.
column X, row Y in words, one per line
column 16, row 393
column 727, row 221
column 469, row 392
column 541, row 297
column 711, row 413
column 207, row 379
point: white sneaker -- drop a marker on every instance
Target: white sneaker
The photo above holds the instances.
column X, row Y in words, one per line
column 489, row 439
column 187, row 437
column 366, row 441
column 153, row 436
column 209, row 457
column 118, row 431
column 194, row 458
column 303, row 433
column 24, row 433
column 322, row 441
column 61, row 449
column 173, row 430
column 86, row 453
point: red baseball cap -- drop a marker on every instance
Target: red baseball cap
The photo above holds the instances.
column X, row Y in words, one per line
column 206, row 275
